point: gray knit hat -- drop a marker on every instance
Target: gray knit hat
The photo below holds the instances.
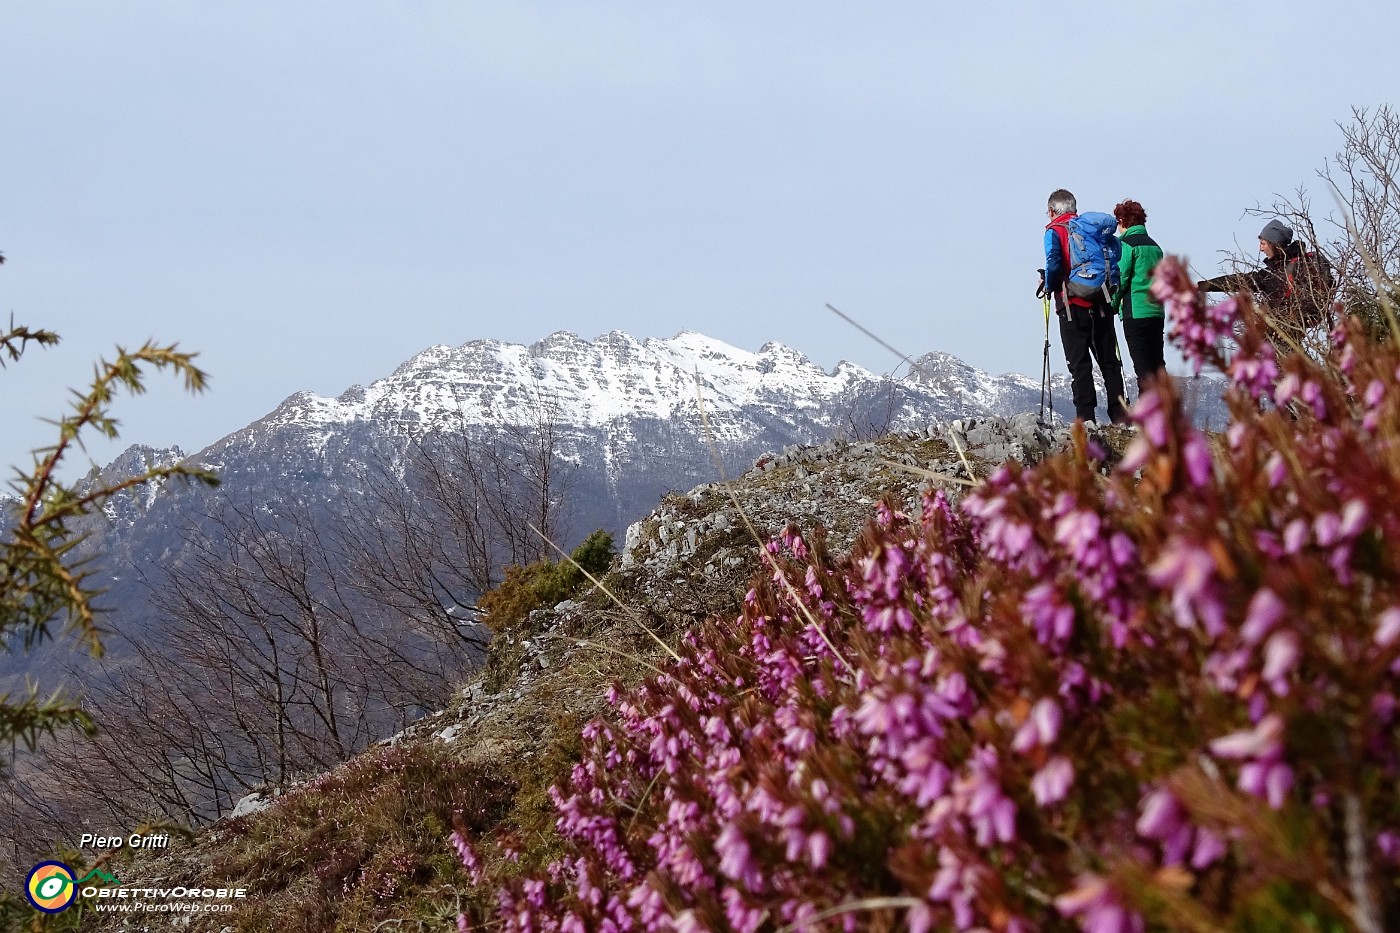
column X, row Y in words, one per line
column 1277, row 232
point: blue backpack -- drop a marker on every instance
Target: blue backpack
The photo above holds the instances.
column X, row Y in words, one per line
column 1093, row 255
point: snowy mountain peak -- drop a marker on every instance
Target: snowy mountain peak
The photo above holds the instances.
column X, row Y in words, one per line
column 580, row 382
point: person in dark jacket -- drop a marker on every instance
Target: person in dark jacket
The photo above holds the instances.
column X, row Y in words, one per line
column 1296, row 284
column 1143, row 321
column 1086, row 324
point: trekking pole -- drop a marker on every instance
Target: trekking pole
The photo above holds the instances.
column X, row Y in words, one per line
column 1045, row 365
column 1045, row 387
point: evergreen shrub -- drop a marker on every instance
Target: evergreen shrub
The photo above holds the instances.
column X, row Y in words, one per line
column 545, row 583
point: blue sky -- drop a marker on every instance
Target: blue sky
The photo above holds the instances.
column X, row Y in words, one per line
column 308, row 193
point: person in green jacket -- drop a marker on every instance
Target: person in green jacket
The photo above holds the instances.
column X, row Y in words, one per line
column 1143, row 321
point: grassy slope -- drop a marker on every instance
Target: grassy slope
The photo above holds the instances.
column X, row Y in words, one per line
column 366, row 845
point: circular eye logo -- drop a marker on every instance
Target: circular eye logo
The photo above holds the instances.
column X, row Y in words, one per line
column 50, row 886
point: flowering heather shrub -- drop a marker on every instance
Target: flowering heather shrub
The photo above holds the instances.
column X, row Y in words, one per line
column 356, row 844
column 1159, row 698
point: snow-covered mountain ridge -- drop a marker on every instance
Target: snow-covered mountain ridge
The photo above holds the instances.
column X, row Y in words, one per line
column 635, row 417
column 616, row 377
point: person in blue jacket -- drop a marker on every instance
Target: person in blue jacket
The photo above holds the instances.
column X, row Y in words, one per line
column 1086, row 323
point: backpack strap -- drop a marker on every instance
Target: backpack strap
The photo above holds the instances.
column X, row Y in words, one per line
column 1061, row 232
column 1110, row 268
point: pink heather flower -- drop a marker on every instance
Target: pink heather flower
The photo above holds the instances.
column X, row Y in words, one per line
column 1286, row 390
column 875, row 715
column 1135, row 457
column 1172, row 282
column 1196, row 453
column 990, row 812
column 1151, row 416
column 1264, row 612
column 1162, row 816
column 1078, row 531
column 1223, row 668
column 1098, row 908
column 1281, row 654
column 468, row 857
column 1264, row 740
column 736, row 859
column 956, row 885
column 1209, row 849
column 1268, row 778
column 741, row 918
column 1198, row 328
column 1276, row 470
column 1047, row 717
column 1312, row 394
column 1388, row 627
column 1051, row 783
column 1295, row 536
column 1354, row 517
column 1122, row 550
column 1327, row 529
column 1013, row 536
column 1189, row 572
column 1041, row 727
column 1050, row 618
column 1256, row 375
column 1375, row 393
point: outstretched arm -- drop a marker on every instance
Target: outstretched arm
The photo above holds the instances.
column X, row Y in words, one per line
column 1234, row 282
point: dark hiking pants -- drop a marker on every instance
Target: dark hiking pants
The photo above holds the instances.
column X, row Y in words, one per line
column 1086, row 333
column 1143, row 335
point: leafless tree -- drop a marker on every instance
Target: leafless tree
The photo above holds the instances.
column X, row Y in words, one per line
column 271, row 666
column 289, row 638
column 434, row 524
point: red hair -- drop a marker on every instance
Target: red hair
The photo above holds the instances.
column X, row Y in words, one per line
column 1130, row 213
